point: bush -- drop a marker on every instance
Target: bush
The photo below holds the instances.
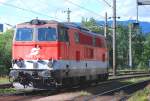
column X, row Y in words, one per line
column 5, row 51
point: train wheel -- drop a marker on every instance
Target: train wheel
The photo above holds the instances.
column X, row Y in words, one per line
column 82, row 81
column 106, row 76
column 67, row 82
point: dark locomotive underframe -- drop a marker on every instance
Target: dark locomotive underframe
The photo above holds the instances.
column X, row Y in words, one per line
column 34, row 78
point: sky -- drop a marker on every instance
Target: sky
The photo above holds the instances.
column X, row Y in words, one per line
column 17, row 11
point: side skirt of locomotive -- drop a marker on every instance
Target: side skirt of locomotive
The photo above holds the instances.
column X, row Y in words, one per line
column 63, row 73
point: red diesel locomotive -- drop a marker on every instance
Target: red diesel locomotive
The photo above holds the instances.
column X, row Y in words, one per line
column 49, row 53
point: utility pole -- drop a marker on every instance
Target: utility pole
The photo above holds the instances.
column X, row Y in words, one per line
column 68, row 11
column 114, row 37
column 137, row 11
column 106, row 25
column 130, row 46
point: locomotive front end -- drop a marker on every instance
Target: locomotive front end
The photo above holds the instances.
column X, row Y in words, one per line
column 34, row 54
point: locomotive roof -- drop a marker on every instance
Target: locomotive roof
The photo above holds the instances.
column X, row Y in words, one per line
column 65, row 24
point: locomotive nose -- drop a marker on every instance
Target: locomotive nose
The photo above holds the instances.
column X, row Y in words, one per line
column 29, row 79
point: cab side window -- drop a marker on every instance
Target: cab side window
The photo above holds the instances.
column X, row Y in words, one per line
column 63, row 34
column 94, row 41
column 76, row 37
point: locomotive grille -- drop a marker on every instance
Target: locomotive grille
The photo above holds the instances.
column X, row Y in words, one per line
column 35, row 65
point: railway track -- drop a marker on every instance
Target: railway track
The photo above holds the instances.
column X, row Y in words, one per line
column 96, row 90
column 111, row 78
column 120, row 75
column 129, row 88
column 3, row 86
column 129, row 73
column 105, row 85
column 111, row 87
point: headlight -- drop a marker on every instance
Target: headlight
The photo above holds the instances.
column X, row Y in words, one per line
column 14, row 61
column 20, row 63
column 50, row 64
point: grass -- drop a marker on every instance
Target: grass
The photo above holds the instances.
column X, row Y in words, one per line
column 142, row 95
column 84, row 93
column 4, row 80
column 7, row 90
column 135, row 80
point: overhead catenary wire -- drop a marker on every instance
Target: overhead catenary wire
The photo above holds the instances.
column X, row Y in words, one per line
column 27, row 10
column 106, row 2
column 85, row 8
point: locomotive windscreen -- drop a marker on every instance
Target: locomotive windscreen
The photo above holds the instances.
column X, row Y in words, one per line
column 42, row 34
column 24, row 34
column 47, row 34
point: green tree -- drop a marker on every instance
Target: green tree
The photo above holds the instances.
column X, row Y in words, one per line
column 5, row 51
column 92, row 25
column 146, row 53
column 122, row 45
column 138, row 49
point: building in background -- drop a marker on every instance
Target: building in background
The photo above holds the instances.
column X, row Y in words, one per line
column 4, row 27
column 1, row 27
